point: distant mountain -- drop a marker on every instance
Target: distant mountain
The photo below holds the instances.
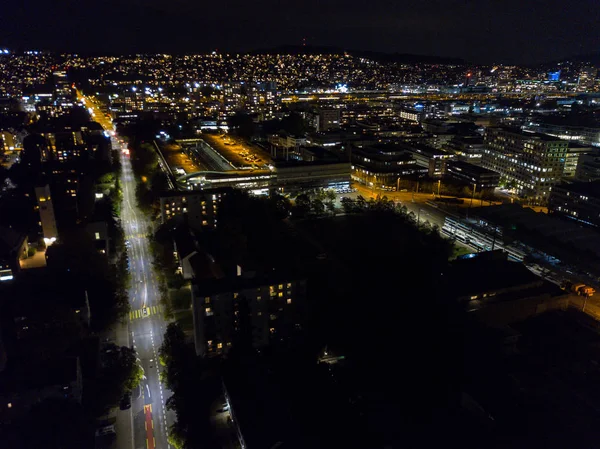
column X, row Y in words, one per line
column 373, row 55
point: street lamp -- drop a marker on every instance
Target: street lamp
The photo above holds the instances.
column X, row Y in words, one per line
column 473, row 195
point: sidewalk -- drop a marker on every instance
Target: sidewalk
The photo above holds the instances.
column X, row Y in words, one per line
column 124, row 423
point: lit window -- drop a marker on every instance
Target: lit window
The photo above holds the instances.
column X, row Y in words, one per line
column 209, row 342
column 280, row 294
column 258, row 298
column 259, row 314
column 97, row 236
column 219, row 345
column 272, row 330
column 280, row 286
column 289, row 300
column 207, row 300
column 289, row 285
column 209, row 311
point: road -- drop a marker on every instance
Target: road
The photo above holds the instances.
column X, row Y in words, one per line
column 147, row 325
column 145, row 424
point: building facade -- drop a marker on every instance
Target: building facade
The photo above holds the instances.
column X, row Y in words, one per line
column 198, row 206
column 579, row 201
column 532, row 162
column 250, row 310
column 467, row 173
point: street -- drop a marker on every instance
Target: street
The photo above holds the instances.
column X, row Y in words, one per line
column 145, row 424
column 147, row 325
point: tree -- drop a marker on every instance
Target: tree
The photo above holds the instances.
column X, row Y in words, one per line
column 242, row 124
column 317, row 207
column 294, row 124
column 302, row 205
column 58, row 424
column 281, row 206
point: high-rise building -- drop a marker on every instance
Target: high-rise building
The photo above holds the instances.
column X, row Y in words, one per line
column 47, row 218
column 532, row 162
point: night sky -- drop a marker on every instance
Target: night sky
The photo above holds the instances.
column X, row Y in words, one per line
column 520, row 31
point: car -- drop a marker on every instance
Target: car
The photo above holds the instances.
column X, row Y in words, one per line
column 106, row 430
column 145, row 311
column 125, row 403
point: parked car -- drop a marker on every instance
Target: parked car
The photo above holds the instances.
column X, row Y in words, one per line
column 106, row 430
column 125, row 401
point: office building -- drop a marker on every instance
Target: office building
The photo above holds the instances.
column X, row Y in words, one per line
column 466, row 148
column 294, row 176
column 579, row 201
column 382, row 165
column 411, row 114
column 532, row 162
column 574, row 153
column 466, row 173
column 588, row 167
column 428, row 157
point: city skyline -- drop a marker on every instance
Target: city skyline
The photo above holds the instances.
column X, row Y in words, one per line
column 478, row 33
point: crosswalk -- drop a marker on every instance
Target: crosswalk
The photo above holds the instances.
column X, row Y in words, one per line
column 145, row 312
column 138, row 235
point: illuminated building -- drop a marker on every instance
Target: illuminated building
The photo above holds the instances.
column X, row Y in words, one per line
column 532, row 162
column 381, row 166
column 47, row 218
column 328, row 119
column 554, row 76
column 472, row 174
column 199, row 207
column 466, row 148
column 587, row 79
column 257, row 309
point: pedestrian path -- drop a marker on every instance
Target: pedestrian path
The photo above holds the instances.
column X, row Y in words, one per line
column 145, row 312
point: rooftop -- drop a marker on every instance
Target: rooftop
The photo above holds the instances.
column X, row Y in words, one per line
column 583, row 188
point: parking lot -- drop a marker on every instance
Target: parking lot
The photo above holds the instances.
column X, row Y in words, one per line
column 241, row 154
